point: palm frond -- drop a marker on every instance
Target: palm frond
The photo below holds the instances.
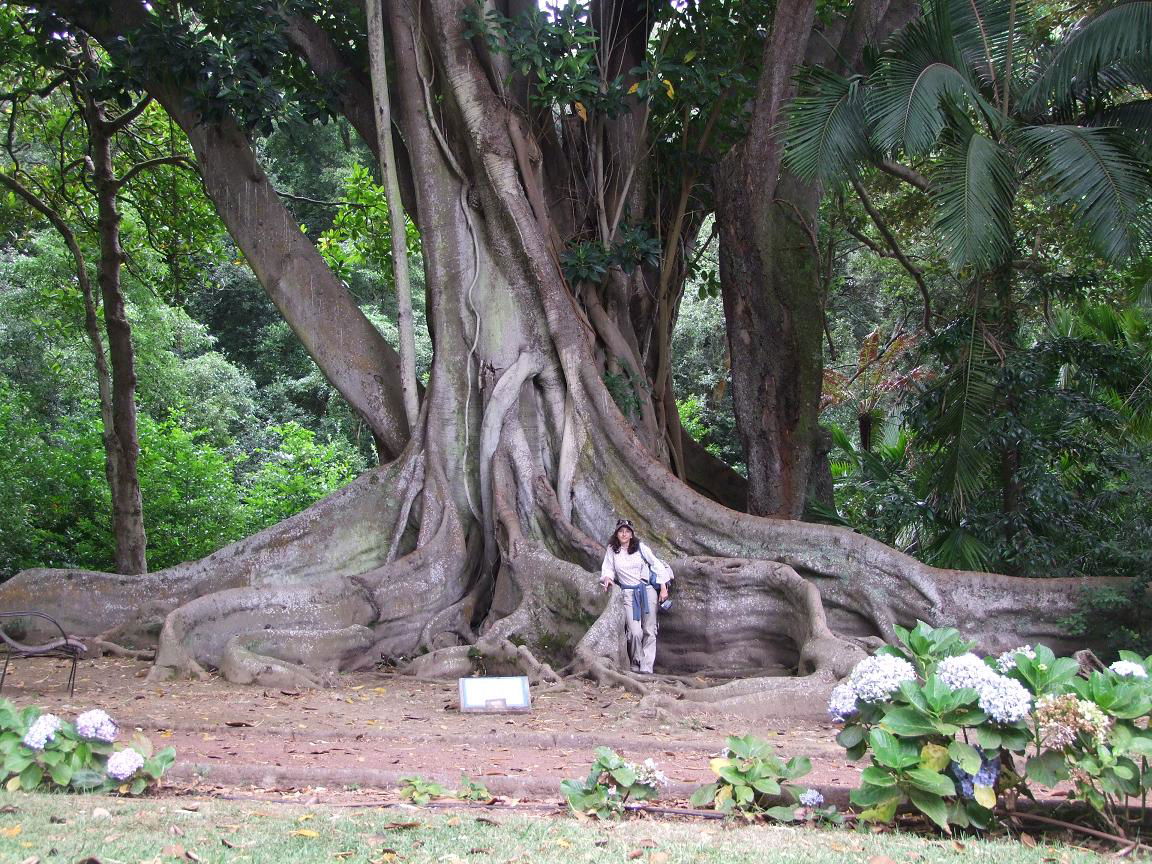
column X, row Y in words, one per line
column 959, row 550
column 974, row 188
column 967, row 402
column 827, row 131
column 1135, row 117
column 916, row 79
column 1097, row 173
column 1120, row 33
column 983, row 31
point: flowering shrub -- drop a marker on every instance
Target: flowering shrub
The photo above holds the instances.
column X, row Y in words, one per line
column 750, row 777
column 41, row 750
column 946, row 737
column 612, row 783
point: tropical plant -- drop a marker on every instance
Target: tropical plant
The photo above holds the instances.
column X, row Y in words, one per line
column 612, row 782
column 751, row 778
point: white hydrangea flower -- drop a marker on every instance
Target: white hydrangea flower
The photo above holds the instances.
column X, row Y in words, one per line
column 1006, row 662
column 811, row 798
column 876, row 678
column 965, row 670
column 650, row 775
column 96, row 725
column 1128, row 669
column 43, row 730
column 124, row 763
column 842, row 702
column 1005, row 700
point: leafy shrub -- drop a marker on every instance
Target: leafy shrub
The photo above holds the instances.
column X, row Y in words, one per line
column 472, row 790
column 611, row 784
column 944, row 728
column 42, row 751
column 750, row 777
column 420, row 791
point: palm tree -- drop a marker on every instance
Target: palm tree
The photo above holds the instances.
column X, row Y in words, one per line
column 968, row 104
column 967, row 87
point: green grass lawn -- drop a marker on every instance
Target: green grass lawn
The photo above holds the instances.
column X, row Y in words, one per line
column 68, row 829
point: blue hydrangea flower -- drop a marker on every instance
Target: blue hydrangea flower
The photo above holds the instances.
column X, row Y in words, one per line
column 1006, row 662
column 96, row 725
column 987, row 775
column 965, row 670
column 876, row 678
column 811, row 798
column 842, row 703
column 43, row 730
column 1128, row 669
column 124, row 763
column 1005, row 700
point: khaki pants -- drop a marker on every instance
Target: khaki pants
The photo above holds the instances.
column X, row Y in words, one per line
column 641, row 634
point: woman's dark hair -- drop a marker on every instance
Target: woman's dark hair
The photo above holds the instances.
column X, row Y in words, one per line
column 633, row 543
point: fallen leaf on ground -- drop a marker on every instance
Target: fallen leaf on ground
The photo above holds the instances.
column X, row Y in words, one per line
column 1028, row 840
column 173, row 851
column 658, row 858
column 393, row 826
column 880, row 859
column 304, row 832
column 11, row 831
column 635, row 853
column 484, row 820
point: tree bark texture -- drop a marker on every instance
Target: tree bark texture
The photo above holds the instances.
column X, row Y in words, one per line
column 123, row 450
column 484, row 534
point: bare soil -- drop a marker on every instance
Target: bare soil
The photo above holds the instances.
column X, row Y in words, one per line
column 359, row 739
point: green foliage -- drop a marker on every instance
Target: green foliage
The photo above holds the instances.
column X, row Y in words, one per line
column 420, row 791
column 472, row 790
column 68, row 761
column 751, row 778
column 293, row 472
column 611, row 784
column 946, row 86
column 943, row 751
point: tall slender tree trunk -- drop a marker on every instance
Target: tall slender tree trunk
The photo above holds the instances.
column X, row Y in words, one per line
column 127, row 501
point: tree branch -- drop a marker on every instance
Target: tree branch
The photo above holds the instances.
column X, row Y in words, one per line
column 117, row 123
column 903, row 172
column 898, row 254
column 182, row 161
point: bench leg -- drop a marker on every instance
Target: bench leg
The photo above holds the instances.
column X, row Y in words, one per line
column 4, row 674
column 72, row 678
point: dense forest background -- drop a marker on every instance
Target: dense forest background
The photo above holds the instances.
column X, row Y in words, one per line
column 1006, row 431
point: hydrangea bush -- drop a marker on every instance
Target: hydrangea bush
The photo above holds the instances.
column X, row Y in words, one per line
column 950, row 732
column 612, row 783
column 752, row 780
column 40, row 750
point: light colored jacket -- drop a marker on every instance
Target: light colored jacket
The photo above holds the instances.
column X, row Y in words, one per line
column 633, row 569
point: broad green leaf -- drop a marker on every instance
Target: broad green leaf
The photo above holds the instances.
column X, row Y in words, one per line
column 931, row 781
column 907, row 722
column 932, row 806
column 934, row 757
column 1047, row 769
column 882, row 812
column 876, row 776
column 704, row 796
column 965, row 755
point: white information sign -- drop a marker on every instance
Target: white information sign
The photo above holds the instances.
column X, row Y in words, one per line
column 495, row 694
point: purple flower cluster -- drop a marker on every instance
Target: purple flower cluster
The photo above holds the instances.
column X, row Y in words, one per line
column 842, row 703
column 43, row 730
column 811, row 798
column 124, row 763
column 96, row 725
column 986, row 776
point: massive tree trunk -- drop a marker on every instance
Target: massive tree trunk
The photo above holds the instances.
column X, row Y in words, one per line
column 481, row 535
column 769, row 262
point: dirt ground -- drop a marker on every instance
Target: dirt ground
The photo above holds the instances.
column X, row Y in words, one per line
column 359, row 739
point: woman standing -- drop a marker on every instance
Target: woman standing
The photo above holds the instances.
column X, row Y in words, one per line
column 640, row 574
